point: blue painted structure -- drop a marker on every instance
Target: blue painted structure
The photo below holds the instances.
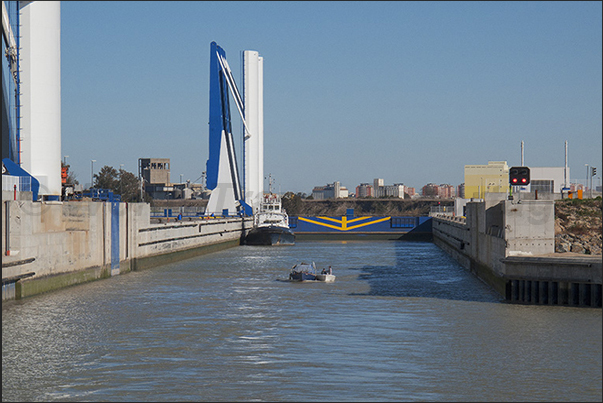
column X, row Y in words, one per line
column 219, row 114
column 100, row 195
column 220, row 124
column 11, row 80
column 29, row 183
column 350, row 225
column 356, row 224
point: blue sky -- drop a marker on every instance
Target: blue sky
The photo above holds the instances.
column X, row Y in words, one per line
column 410, row 92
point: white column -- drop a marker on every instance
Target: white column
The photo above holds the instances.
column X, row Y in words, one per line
column 254, row 116
column 40, row 62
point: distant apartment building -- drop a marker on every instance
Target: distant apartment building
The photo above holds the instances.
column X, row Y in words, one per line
column 411, row 191
column 430, row 190
column 460, row 191
column 378, row 187
column 482, row 179
column 446, row 191
column 381, row 190
column 364, row 190
column 330, row 191
column 396, row 190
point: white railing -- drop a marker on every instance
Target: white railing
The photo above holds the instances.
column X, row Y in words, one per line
column 23, row 183
column 446, row 210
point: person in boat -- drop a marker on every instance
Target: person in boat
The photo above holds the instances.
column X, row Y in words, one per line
column 330, row 270
column 324, row 271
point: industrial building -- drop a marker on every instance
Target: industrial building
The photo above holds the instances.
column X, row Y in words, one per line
column 482, row 179
column 155, row 177
column 549, row 182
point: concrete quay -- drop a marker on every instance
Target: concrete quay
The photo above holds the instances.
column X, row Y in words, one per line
column 510, row 245
column 51, row 245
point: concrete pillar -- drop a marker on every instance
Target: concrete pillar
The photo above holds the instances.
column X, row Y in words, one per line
column 514, row 290
column 529, row 292
column 535, row 292
column 553, row 293
column 574, row 291
column 596, row 295
column 522, row 291
column 543, row 293
column 564, row 296
column 585, row 290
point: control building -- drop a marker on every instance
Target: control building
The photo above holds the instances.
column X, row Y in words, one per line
column 155, row 176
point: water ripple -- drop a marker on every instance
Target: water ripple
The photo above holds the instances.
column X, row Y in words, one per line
column 402, row 322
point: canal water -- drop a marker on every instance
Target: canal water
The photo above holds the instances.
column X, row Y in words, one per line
column 402, row 322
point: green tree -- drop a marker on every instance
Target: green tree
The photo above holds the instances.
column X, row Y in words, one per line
column 107, row 178
column 128, row 187
column 121, row 182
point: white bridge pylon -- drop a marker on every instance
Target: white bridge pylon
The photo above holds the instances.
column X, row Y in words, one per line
column 253, row 89
column 222, row 171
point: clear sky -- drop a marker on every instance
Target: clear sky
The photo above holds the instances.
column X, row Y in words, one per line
column 410, row 92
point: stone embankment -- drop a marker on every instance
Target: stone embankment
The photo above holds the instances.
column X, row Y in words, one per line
column 578, row 226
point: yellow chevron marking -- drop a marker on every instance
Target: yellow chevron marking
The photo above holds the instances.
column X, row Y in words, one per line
column 319, row 223
column 337, row 220
column 343, row 219
column 359, row 218
column 344, row 222
column 369, row 223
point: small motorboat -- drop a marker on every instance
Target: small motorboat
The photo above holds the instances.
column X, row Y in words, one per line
column 303, row 272
column 326, row 275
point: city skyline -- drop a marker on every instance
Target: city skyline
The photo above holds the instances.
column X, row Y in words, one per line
column 409, row 90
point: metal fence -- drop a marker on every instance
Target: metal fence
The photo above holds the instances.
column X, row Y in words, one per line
column 191, row 211
column 446, row 210
column 23, row 183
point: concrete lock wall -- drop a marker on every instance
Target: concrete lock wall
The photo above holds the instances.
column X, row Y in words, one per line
column 50, row 245
column 510, row 245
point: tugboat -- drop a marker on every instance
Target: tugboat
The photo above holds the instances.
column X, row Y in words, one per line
column 270, row 224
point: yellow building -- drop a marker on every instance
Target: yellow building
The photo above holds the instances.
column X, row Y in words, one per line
column 482, row 179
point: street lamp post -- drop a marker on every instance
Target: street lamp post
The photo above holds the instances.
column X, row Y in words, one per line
column 92, row 173
column 586, row 182
column 121, row 170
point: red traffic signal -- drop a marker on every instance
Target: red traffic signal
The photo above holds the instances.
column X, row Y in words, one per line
column 519, row 176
